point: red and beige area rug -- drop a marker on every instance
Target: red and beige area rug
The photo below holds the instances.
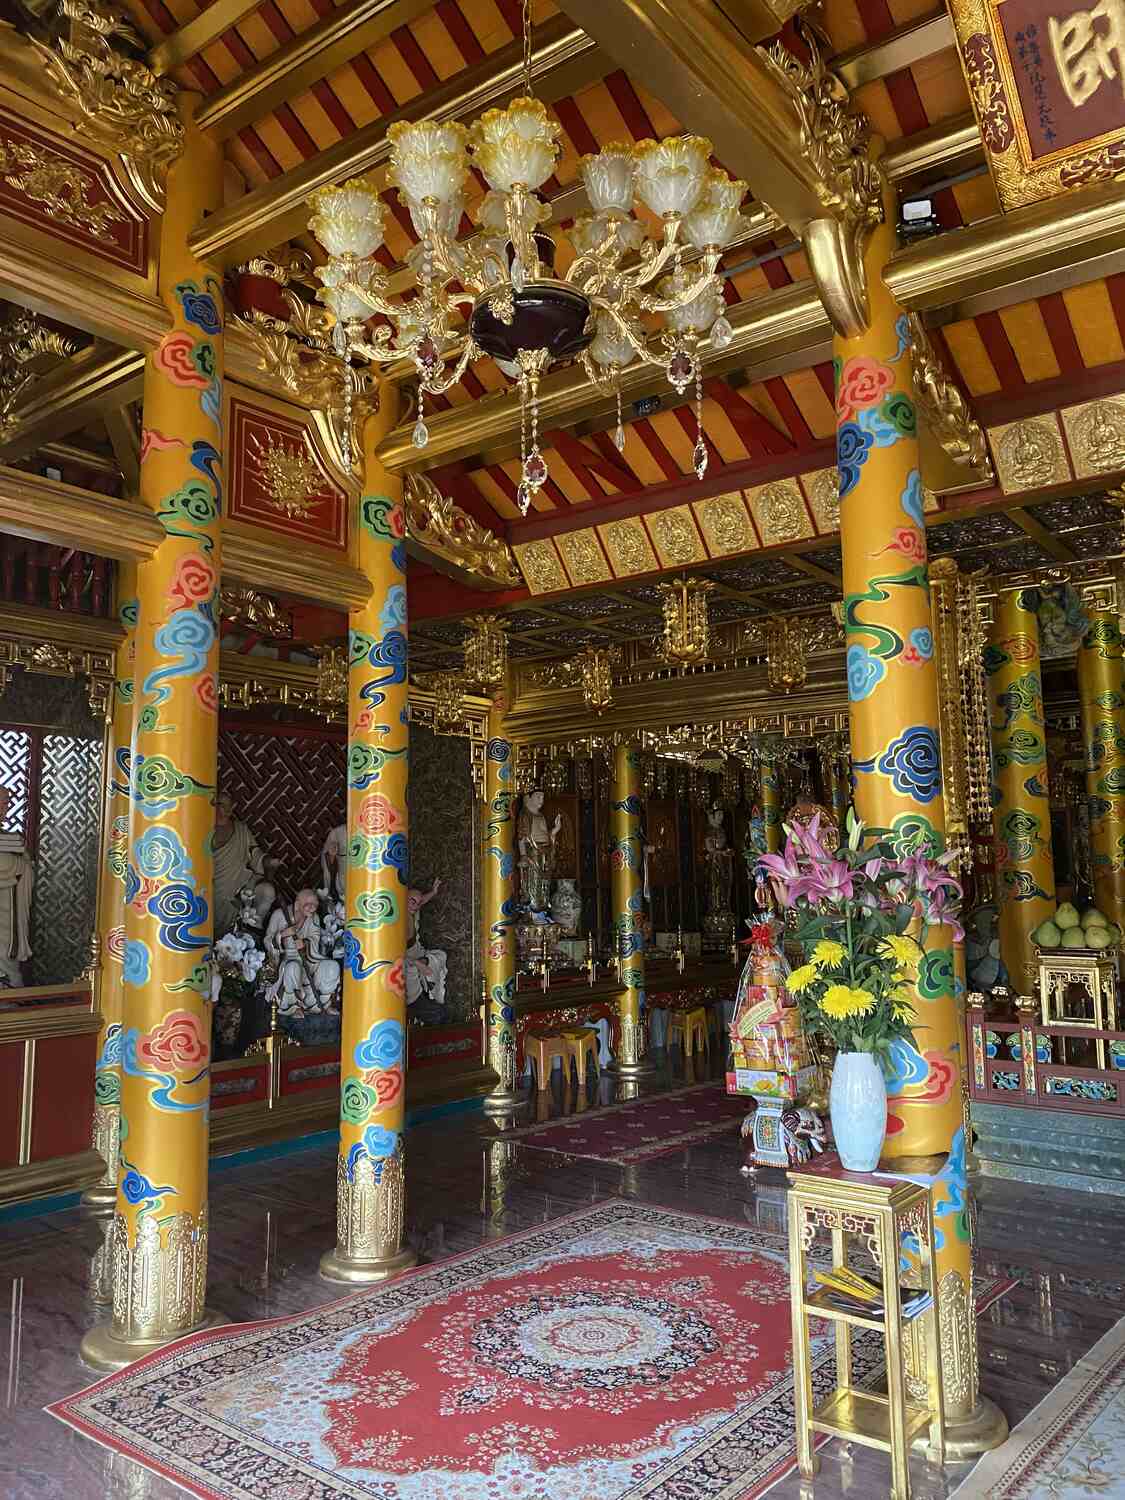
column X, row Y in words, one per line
column 1072, row 1445
column 623, row 1352
column 637, row 1131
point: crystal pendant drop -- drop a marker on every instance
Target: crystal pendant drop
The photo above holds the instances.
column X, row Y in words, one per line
column 681, row 368
column 517, row 275
column 523, row 497
column 619, row 438
column 721, row 332
column 421, row 434
column 535, row 469
column 340, row 339
column 699, row 457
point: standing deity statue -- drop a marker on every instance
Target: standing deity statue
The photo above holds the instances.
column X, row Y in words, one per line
column 334, row 864
column 425, row 967
column 17, row 876
column 238, row 863
column 720, row 873
column 536, row 841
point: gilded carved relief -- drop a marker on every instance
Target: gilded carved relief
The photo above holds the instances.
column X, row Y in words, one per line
column 629, row 548
column 779, row 510
column 582, row 557
column 1029, row 454
column 60, row 186
column 725, row 524
column 675, row 537
column 1095, row 433
column 540, row 565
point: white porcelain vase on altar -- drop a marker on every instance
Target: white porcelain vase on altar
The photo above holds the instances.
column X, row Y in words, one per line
column 857, row 1103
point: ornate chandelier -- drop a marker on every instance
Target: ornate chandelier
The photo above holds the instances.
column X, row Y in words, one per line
column 687, row 623
column 595, row 666
column 519, row 309
column 449, row 701
column 486, row 651
column 785, row 654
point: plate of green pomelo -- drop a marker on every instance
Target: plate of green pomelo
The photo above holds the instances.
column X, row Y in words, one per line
column 1090, row 930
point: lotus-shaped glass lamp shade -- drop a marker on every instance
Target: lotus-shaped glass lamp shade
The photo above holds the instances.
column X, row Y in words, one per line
column 347, row 305
column 348, row 220
column 587, row 233
column 608, row 179
column 428, row 160
column 714, row 220
column 517, row 145
column 670, row 173
column 610, row 348
column 446, row 215
column 697, row 315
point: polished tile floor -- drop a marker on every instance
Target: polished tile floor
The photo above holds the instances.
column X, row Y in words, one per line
column 272, row 1219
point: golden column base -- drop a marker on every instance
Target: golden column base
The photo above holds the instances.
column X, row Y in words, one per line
column 502, row 1101
column 642, row 1068
column 336, row 1266
column 106, row 1141
column 369, row 1214
column 157, row 1287
column 985, row 1428
column 104, row 1351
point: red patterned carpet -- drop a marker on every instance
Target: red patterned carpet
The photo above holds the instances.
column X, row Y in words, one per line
column 623, row 1351
column 636, row 1132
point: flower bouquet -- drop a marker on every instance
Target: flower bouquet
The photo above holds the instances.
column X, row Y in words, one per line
column 862, row 915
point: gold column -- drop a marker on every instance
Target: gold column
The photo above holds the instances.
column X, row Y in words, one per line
column 893, row 695
column 1021, row 814
column 772, row 812
column 626, row 859
column 1103, row 724
column 498, row 887
column 111, row 899
column 160, row 1226
column 370, row 1165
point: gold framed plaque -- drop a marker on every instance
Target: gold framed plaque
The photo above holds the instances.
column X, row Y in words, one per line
column 1047, row 81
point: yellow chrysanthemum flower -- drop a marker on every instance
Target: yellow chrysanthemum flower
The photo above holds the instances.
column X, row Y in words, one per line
column 902, row 1003
column 841, row 1002
column 800, row 979
column 827, row 954
column 905, row 952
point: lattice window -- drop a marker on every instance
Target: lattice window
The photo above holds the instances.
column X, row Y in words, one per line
column 15, row 774
column 64, row 901
column 289, row 788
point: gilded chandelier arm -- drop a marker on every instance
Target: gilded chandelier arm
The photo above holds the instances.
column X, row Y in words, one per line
column 434, row 386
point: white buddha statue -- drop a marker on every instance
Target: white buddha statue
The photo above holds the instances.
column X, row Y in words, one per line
column 238, row 863
column 17, row 877
column 307, row 980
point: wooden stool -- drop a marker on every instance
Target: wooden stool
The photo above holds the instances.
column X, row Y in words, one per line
column 542, row 1047
column 581, row 1042
column 690, row 1026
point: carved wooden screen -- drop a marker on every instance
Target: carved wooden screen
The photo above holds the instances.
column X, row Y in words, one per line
column 55, row 782
column 288, row 785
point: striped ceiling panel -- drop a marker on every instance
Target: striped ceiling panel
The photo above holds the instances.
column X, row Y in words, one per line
column 776, row 418
column 1002, row 353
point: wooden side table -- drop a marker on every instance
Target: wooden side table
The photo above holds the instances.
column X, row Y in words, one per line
column 878, row 1211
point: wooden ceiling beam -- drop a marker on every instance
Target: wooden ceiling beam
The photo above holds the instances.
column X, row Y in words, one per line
column 313, row 54
column 901, row 49
column 564, row 60
column 95, row 381
column 191, row 38
column 125, row 441
column 1055, row 545
column 65, row 515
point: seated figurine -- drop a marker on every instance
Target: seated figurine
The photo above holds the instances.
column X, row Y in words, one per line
column 308, row 980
